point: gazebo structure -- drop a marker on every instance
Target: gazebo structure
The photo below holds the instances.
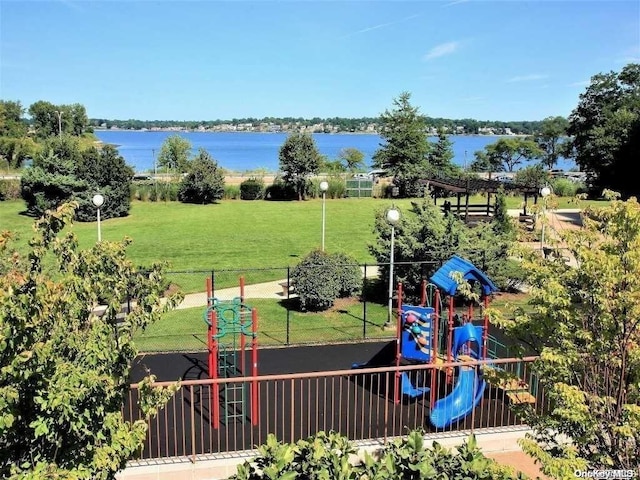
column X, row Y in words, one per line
column 464, row 187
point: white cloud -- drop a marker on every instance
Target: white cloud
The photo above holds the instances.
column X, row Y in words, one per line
column 441, row 50
column 527, row 78
column 381, row 25
column 455, row 2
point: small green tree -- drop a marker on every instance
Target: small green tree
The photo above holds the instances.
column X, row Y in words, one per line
column 352, row 158
column 584, row 322
column 552, row 140
column 205, row 181
column 406, row 147
column 64, row 369
column 174, row 154
column 299, row 158
column 505, row 154
column 441, row 156
column 322, row 277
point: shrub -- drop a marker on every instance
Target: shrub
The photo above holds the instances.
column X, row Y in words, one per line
column 563, row 187
column 330, row 456
column 252, row 189
column 280, row 190
column 320, row 278
column 231, row 192
column 9, row 189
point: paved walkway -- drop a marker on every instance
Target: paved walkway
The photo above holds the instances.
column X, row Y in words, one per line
column 272, row 289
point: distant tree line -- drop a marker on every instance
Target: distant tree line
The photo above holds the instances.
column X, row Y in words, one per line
column 466, row 125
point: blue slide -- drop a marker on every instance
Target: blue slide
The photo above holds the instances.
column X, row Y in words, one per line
column 469, row 388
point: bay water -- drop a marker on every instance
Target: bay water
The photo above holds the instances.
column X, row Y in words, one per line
column 250, row 151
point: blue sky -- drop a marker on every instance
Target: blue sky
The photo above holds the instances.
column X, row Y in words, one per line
column 208, row 59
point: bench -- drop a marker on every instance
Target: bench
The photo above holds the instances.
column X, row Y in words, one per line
column 286, row 288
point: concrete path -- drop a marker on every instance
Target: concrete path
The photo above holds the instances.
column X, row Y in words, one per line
column 272, row 289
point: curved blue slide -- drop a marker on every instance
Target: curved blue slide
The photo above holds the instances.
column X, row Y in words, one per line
column 469, row 388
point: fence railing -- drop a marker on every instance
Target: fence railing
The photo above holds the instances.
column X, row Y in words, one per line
column 281, row 322
column 362, row 404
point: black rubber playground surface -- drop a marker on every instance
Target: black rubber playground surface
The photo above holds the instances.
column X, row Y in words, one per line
column 359, row 406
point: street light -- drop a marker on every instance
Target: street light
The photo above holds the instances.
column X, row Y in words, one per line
column 324, row 186
column 544, row 192
column 59, row 113
column 98, row 200
column 393, row 216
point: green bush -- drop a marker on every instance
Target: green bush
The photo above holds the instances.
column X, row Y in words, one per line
column 280, row 190
column 204, row 183
column 252, row 189
column 327, row 456
column 321, row 277
column 563, row 187
column 231, row 192
column 9, row 189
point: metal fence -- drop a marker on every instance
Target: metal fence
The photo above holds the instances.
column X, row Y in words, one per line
column 361, row 404
column 280, row 319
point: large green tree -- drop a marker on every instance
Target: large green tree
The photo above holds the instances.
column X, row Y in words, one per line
column 174, row 154
column 49, row 120
column 441, row 156
column 584, row 321
column 505, row 154
column 605, row 130
column 204, row 183
column 299, row 158
column 424, row 234
column 11, row 119
column 404, row 153
column 552, row 140
column 64, row 368
column 64, row 171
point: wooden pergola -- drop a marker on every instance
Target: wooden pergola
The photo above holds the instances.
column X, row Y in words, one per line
column 465, row 187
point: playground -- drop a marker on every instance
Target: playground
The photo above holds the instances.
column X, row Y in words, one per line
column 445, row 371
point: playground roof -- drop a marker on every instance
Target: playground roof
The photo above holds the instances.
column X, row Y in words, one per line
column 471, row 185
column 443, row 280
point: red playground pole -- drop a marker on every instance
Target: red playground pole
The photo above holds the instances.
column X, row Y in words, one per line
column 215, row 403
column 434, row 354
column 450, row 338
column 485, row 333
column 396, row 378
column 255, row 392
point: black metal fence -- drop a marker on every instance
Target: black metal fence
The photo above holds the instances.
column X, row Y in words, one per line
column 281, row 321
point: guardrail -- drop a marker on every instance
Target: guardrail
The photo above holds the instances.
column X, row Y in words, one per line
column 358, row 403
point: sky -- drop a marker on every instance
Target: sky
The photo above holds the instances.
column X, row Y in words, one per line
column 505, row 60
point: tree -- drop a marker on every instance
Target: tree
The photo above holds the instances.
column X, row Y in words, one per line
column 64, row 369
column 406, row 147
column 441, row 156
column 425, row 235
column 11, row 122
column 299, row 158
column 44, row 118
column 64, row 172
column 174, row 153
column 204, row 183
column 584, row 323
column 352, row 158
column 505, row 154
column 552, row 140
column 605, row 130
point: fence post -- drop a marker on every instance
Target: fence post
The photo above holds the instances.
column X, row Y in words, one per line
column 364, row 304
column 288, row 303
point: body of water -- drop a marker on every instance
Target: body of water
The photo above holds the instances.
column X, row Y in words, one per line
column 243, row 151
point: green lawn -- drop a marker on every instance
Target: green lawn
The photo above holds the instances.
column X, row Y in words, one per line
column 185, row 330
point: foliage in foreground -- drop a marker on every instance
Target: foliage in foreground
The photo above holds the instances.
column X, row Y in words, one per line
column 331, row 456
column 64, row 369
column 584, row 321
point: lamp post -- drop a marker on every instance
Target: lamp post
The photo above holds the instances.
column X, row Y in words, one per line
column 544, row 192
column 98, row 200
column 59, row 113
column 393, row 216
column 324, row 186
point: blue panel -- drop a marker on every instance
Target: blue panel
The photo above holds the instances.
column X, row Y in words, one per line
column 443, row 280
column 420, row 328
